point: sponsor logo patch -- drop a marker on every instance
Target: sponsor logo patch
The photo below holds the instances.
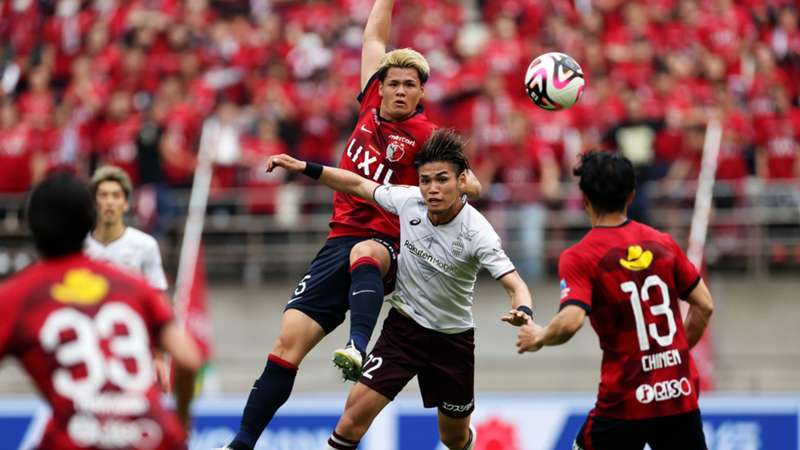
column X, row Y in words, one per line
column 663, row 390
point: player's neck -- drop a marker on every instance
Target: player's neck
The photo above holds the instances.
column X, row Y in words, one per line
column 609, row 220
column 106, row 234
column 445, row 216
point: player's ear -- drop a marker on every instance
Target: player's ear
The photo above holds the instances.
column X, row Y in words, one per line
column 629, row 198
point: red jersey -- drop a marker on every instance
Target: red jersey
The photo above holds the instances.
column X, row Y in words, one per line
column 85, row 332
column 629, row 278
column 382, row 151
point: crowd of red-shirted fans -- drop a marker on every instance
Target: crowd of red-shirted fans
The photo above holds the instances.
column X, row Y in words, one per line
column 131, row 83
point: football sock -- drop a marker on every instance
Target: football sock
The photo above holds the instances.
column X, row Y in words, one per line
column 336, row 442
column 269, row 393
column 366, row 298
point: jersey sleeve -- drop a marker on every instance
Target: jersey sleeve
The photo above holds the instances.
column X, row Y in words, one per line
column 8, row 318
column 392, row 197
column 491, row 255
column 370, row 97
column 158, row 312
column 686, row 275
column 576, row 285
column 152, row 269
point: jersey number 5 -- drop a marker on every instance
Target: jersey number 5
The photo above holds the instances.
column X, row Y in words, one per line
column 653, row 281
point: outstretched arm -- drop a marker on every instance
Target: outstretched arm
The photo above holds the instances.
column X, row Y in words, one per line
column 564, row 325
column 520, row 296
column 376, row 36
column 337, row 179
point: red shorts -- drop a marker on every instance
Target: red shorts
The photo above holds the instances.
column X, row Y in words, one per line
column 443, row 363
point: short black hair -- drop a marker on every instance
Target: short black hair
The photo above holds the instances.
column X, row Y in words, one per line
column 60, row 214
column 444, row 145
column 607, row 179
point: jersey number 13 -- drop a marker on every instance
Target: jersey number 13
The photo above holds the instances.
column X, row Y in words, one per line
column 639, row 296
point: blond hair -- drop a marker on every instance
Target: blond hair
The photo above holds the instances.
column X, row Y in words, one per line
column 405, row 58
column 111, row 173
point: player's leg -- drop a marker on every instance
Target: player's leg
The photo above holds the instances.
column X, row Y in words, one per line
column 317, row 306
column 600, row 433
column 684, row 431
column 448, row 383
column 363, row 405
column 370, row 262
column 299, row 334
column 387, row 370
column 457, row 433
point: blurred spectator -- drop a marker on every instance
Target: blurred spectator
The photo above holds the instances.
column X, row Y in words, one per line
column 132, row 82
column 15, row 150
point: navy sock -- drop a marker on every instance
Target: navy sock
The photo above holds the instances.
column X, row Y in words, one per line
column 269, row 393
column 366, row 299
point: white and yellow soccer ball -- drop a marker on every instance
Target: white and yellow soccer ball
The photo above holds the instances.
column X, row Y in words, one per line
column 554, row 81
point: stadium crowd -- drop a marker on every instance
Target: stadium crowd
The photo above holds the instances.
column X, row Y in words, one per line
column 84, row 82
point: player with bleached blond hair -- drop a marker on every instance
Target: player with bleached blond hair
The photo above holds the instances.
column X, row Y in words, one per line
column 357, row 264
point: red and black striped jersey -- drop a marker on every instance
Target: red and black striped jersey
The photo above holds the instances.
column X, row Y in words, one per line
column 629, row 279
column 85, row 333
column 382, row 151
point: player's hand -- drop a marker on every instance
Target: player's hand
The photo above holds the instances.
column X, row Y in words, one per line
column 285, row 161
column 529, row 338
column 162, row 372
column 516, row 318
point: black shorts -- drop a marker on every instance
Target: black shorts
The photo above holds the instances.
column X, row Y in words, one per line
column 680, row 431
column 443, row 363
column 323, row 292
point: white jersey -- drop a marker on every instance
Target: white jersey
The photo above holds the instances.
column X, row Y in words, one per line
column 134, row 251
column 439, row 264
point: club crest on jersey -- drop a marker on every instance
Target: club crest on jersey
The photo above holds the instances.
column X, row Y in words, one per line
column 637, row 259
column 457, row 247
column 395, row 152
column 80, row 286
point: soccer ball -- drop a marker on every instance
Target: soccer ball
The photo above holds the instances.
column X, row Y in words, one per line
column 554, row 81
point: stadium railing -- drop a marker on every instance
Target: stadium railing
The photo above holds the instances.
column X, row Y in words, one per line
column 754, row 228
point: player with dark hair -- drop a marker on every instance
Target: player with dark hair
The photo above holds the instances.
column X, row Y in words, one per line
column 356, row 266
column 429, row 332
column 85, row 333
column 628, row 278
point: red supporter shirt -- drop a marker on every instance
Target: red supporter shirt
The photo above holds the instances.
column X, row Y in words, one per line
column 384, row 152
column 629, row 278
column 15, row 158
column 85, row 333
column 116, row 144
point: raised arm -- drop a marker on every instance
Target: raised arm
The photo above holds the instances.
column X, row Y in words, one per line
column 701, row 306
column 339, row 180
column 376, row 37
column 473, row 186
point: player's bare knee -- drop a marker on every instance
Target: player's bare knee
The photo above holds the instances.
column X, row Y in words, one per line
column 289, row 347
column 363, row 249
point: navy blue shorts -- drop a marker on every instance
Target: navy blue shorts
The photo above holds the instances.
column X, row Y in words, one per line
column 680, row 431
column 323, row 292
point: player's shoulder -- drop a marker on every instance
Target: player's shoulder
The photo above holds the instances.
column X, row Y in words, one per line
column 648, row 233
column 474, row 218
column 405, row 190
column 140, row 237
column 22, row 281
